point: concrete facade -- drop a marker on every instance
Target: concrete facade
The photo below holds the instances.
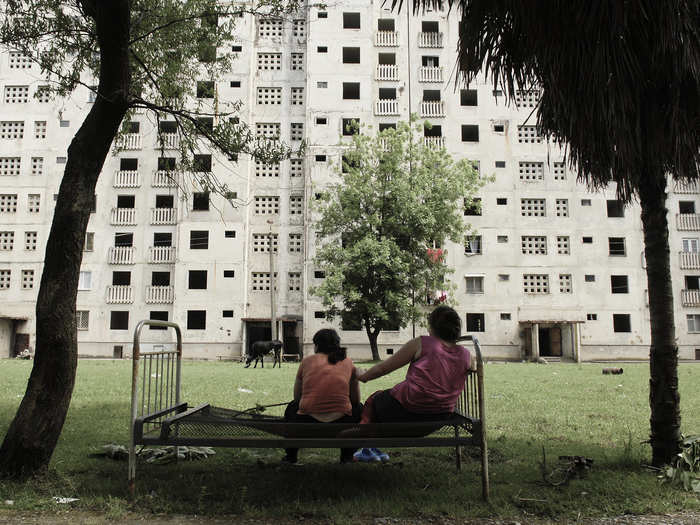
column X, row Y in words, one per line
column 538, row 282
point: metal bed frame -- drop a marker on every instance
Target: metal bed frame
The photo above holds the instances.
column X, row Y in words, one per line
column 158, row 417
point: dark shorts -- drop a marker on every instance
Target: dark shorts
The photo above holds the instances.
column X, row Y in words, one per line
column 388, row 410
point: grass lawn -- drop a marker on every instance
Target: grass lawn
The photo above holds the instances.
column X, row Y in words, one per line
column 567, row 409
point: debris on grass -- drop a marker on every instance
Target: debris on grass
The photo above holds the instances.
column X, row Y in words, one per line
column 57, row 499
column 569, row 467
column 158, row 456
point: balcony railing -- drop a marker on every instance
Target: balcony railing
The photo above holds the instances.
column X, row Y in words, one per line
column 123, row 217
column 121, row 255
column 434, row 142
column 386, row 39
column 120, row 294
column 429, row 74
column 690, row 297
column 163, row 215
column 688, row 221
column 387, row 72
column 161, row 254
column 164, row 179
column 689, row 260
column 169, row 141
column 432, row 108
column 129, row 141
column 386, row 107
column 159, row 294
column 681, row 186
column 430, row 39
column 127, row 179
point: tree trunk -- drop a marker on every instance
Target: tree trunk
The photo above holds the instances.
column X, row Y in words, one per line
column 664, row 399
column 373, row 335
column 34, row 432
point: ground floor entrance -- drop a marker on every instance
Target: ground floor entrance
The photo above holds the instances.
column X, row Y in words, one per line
column 288, row 330
column 550, row 339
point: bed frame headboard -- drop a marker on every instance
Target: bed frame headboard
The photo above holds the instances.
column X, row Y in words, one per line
column 471, row 401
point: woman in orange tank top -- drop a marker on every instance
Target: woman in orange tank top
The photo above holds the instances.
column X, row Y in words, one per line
column 325, row 390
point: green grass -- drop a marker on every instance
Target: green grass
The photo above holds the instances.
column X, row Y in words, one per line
column 567, row 409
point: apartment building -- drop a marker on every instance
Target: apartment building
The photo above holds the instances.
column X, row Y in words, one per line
column 552, row 270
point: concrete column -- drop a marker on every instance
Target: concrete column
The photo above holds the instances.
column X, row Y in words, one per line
column 576, row 341
column 535, row 341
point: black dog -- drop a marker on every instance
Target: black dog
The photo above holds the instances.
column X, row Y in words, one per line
column 262, row 348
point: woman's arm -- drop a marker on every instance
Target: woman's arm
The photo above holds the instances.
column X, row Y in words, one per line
column 298, row 384
column 354, row 387
column 404, row 356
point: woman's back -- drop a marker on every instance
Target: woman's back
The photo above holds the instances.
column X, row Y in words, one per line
column 325, row 386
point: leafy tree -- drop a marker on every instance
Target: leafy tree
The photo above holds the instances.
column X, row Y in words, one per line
column 620, row 86
column 140, row 54
column 395, row 199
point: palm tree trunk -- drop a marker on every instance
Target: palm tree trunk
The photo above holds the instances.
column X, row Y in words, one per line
column 664, row 399
column 34, row 432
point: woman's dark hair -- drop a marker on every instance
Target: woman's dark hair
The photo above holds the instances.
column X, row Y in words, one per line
column 327, row 342
column 446, row 323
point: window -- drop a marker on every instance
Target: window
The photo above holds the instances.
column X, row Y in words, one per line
column 205, row 89
column 499, row 127
column 502, row 239
column 43, row 94
column 296, row 167
column 533, row 245
column 126, row 164
column 587, row 240
column 270, row 27
column 351, row 90
column 201, row 163
column 616, row 246
column 27, row 279
column 260, row 281
column 12, row 129
column 269, row 95
column 319, row 274
column 693, row 321
column 197, row 279
column 8, row 203
column 527, row 98
column 89, row 244
column 528, row 135
column 261, row 243
column 500, row 163
column 386, row 125
column 686, row 207
column 319, row 315
column 589, row 278
column 229, row 274
column 350, row 322
column 123, row 239
column 160, row 278
column 10, row 166
column 351, row 20
column 501, row 201
column 294, row 281
column 121, row 278
column 565, row 283
column 64, row 123
column 472, row 245
column 385, row 24
column 7, row 241
column 31, row 240
column 431, row 95
column 690, row 245
column 200, row 201
column 16, row 94
column 82, row 319
column 296, row 205
column 505, row 316
column 472, row 206
column 470, row 133
column 619, row 284
column 321, row 121
column 559, row 171
column 196, row 319
column 129, row 201
column 475, row 322
column 158, row 315
column 230, row 234
column 296, row 131
column 297, row 98
column 475, row 283
column 37, row 164
column 204, row 125
column 162, row 239
column 468, row 97
column 591, row 317
column 297, row 62
column 295, row 243
column 322, row 49
column 351, row 55
column 266, row 170
column 118, row 320
column 269, row 61
column 235, row 84
column 39, row 129
column 585, row 202
column 532, row 207
column 351, row 126
column 199, row 239
column 622, row 323
column 320, row 158
column 227, row 313
column 322, row 14
column 563, row 247
column 692, row 282
column 267, row 129
column 531, row 171
column 562, row 207
column 5, row 276
column 268, row 205
column 536, row 283
column 616, row 208
column 19, row 60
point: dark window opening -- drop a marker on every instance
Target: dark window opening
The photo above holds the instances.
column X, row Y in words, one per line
column 430, row 61
column 616, row 208
column 470, row 133
column 616, row 246
column 622, row 323
column 235, row 84
column 387, row 94
column 385, row 24
column 199, row 239
column 619, row 284
column 388, row 59
column 500, row 163
column 319, row 274
column 692, row 282
column 166, row 163
column 126, row 201
column 133, row 127
column 165, row 201
column 351, row 90
column 163, row 239
column 351, row 126
column 227, row 313
column 158, row 315
column 321, row 121
column 160, row 278
column 387, row 125
column 201, row 163
column 200, row 201
column 432, row 131
column 472, row 207
column 230, row 234
column 587, row 240
column 167, row 126
column 468, row 97
column 430, row 27
column 319, row 315
column 501, row 201
column 205, row 124
column 475, row 322
column 118, row 320
column 686, row 207
column 350, row 322
column 320, row 158
column 121, row 278
column 197, row 280
column 196, row 319
column 128, row 164
column 229, row 274
column 236, row 49
column 431, row 95
column 205, row 89
column 123, row 239
column 322, row 49
column 351, row 20
column 351, row 55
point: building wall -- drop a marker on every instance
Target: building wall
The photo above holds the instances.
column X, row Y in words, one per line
column 500, row 313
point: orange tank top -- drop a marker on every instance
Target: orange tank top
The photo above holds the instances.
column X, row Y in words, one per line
column 325, row 387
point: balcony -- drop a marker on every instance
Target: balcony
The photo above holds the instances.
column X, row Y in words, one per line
column 681, row 186
column 690, row 297
column 121, row 255
column 430, row 39
column 159, row 294
column 688, row 221
column 387, row 72
column 161, row 254
column 432, row 108
column 689, row 260
column 120, row 294
column 164, row 179
column 386, row 107
column 163, row 216
column 127, row 179
column 129, row 141
column 386, row 39
column 434, row 142
column 169, row 141
column 123, row 217
column 430, row 74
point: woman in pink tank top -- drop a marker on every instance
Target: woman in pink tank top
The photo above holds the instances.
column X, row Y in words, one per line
column 434, row 379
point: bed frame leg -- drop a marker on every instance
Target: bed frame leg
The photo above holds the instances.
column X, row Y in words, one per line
column 484, row 468
column 132, row 471
column 458, row 452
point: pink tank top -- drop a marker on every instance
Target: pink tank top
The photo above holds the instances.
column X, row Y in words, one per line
column 435, row 380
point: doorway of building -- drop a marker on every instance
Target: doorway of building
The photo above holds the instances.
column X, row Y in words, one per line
column 550, row 341
column 290, row 340
column 257, row 331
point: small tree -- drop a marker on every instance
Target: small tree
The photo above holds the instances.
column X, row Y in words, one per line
column 396, row 199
